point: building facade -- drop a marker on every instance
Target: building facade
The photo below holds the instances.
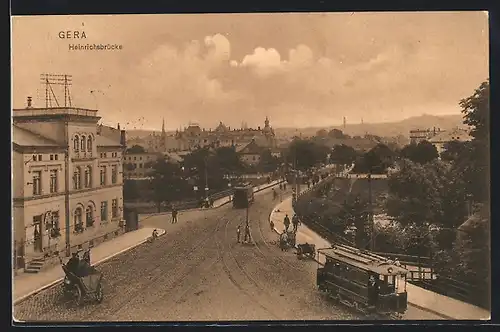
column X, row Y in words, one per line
column 419, row 135
column 193, row 136
column 67, row 180
column 139, row 165
column 444, row 137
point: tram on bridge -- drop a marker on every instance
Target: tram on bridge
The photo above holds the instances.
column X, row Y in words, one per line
column 367, row 282
column 243, row 196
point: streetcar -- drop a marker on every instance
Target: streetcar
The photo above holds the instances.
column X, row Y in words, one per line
column 359, row 279
column 243, row 196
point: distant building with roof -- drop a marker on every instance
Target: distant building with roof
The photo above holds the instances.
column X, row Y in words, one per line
column 457, row 134
column 67, row 180
column 193, row 137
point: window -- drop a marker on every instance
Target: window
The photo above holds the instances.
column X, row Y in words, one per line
column 104, row 211
column 103, row 175
column 89, row 217
column 135, row 158
column 76, row 178
column 51, row 157
column 82, row 144
column 76, row 143
column 114, row 208
column 114, row 174
column 54, row 230
column 89, row 144
column 39, row 157
column 56, row 157
column 37, row 183
column 78, row 220
column 88, row 177
column 140, row 158
column 35, row 157
column 53, row 181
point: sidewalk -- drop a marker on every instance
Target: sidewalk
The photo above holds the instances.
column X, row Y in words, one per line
column 28, row 284
column 438, row 304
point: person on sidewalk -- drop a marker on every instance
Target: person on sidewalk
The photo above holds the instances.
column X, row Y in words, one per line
column 284, row 186
column 238, row 233
column 211, row 202
column 286, row 222
column 281, row 186
column 295, row 222
column 174, row 215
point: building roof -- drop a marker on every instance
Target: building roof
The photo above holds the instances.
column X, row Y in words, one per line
column 250, row 148
column 106, row 141
column 24, row 137
column 452, row 135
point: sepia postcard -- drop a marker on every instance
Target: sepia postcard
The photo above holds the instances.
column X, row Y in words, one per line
column 251, row 167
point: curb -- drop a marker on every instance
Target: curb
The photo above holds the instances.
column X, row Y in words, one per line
column 431, row 311
column 55, row 282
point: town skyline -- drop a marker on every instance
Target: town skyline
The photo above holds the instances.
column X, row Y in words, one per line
column 309, row 72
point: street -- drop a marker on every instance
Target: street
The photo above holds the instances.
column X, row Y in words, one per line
column 197, row 271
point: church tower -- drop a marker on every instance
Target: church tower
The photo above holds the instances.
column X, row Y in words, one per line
column 266, row 123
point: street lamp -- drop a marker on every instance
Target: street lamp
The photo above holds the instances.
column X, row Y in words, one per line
column 351, row 231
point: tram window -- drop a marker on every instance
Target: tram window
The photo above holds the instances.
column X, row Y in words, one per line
column 390, row 280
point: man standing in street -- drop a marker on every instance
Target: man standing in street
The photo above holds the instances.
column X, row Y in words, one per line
column 174, row 215
column 238, row 233
column 286, row 222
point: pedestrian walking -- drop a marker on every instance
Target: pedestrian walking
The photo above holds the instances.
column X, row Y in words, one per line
column 286, row 222
column 281, row 186
column 238, row 233
column 174, row 215
column 295, row 222
column 248, row 237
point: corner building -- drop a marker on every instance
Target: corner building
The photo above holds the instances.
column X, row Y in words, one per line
column 67, row 180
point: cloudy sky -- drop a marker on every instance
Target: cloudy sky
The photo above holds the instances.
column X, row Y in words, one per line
column 298, row 69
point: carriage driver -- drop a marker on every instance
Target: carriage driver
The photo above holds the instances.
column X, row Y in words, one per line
column 73, row 263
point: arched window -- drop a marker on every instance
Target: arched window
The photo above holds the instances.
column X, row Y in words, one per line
column 89, row 143
column 89, row 216
column 76, row 143
column 88, row 177
column 82, row 145
column 78, row 224
column 76, row 178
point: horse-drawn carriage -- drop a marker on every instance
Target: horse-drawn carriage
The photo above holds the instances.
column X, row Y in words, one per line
column 306, row 250
column 287, row 240
column 84, row 281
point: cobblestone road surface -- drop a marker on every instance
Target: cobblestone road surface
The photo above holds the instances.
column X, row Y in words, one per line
column 197, row 271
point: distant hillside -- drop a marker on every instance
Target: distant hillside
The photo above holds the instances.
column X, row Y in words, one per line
column 386, row 129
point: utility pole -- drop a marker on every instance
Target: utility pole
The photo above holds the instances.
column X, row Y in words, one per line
column 66, row 193
column 370, row 212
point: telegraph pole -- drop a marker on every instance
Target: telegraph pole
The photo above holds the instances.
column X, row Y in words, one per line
column 370, row 212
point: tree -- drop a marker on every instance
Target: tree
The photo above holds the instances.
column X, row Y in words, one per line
column 322, row 133
column 476, row 110
column 305, row 154
column 421, row 153
column 136, row 149
column 474, row 161
column 414, row 194
column 167, row 182
column 268, row 162
column 343, row 155
column 375, row 161
column 453, row 151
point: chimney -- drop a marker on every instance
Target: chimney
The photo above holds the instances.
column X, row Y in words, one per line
column 258, row 128
column 123, row 140
column 29, row 102
column 118, row 126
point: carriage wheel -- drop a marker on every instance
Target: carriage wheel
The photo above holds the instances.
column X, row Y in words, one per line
column 78, row 296
column 99, row 294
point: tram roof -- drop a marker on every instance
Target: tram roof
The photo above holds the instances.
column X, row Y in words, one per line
column 363, row 260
